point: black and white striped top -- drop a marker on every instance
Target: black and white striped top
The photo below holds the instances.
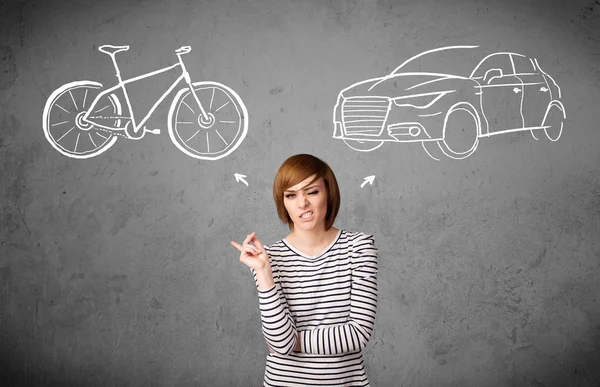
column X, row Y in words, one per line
column 330, row 299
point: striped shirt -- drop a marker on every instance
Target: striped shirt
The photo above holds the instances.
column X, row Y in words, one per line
column 329, row 299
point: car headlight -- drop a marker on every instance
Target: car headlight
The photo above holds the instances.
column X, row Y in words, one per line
column 337, row 108
column 420, row 101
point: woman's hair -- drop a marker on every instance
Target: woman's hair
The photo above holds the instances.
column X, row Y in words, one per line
column 298, row 168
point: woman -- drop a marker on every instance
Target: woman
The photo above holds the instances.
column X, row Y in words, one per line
column 317, row 287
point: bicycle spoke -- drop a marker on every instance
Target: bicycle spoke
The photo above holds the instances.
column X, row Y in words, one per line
column 98, row 111
column 211, row 99
column 76, row 142
column 92, row 140
column 84, row 98
column 207, row 143
column 66, row 111
column 101, row 136
column 222, row 137
column 188, row 106
column 59, row 123
column 184, row 122
column 73, row 99
column 227, row 122
column 194, row 135
column 69, row 131
column 226, row 103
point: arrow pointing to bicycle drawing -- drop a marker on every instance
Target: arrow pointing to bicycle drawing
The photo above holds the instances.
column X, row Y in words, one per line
column 368, row 179
column 240, row 177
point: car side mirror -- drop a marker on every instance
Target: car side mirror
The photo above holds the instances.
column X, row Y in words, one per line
column 491, row 74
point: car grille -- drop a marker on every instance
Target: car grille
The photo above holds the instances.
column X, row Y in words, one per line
column 365, row 115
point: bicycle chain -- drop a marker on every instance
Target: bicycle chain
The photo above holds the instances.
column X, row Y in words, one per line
column 110, row 131
column 115, row 117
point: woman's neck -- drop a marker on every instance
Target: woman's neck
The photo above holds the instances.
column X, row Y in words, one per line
column 311, row 238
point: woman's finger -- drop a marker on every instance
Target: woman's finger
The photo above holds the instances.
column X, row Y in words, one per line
column 258, row 243
column 237, row 246
column 248, row 249
column 251, row 249
column 249, row 237
column 270, row 349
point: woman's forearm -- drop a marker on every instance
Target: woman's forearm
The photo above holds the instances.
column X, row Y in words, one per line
column 278, row 325
column 264, row 278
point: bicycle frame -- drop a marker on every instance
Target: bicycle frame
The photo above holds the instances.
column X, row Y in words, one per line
column 137, row 127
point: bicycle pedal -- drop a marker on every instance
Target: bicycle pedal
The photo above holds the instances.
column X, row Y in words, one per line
column 153, row 131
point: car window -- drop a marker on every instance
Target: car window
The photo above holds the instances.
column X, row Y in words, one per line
column 522, row 64
column 496, row 61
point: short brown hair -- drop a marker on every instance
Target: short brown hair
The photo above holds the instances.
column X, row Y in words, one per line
column 298, row 168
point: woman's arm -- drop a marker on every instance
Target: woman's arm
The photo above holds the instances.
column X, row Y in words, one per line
column 279, row 328
column 353, row 335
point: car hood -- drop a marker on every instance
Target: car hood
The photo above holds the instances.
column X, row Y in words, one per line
column 397, row 85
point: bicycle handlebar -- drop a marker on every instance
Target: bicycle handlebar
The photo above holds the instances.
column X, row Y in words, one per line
column 183, row 50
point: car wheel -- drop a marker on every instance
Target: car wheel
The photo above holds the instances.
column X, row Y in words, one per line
column 461, row 131
column 363, row 146
column 553, row 121
column 433, row 150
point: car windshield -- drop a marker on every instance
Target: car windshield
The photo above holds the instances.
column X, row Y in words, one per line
column 448, row 60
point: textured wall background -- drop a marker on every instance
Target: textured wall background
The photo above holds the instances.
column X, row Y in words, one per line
column 117, row 270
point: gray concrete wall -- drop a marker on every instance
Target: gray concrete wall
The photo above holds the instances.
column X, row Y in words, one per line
column 117, row 270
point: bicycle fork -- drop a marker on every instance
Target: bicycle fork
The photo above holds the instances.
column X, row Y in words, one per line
column 205, row 119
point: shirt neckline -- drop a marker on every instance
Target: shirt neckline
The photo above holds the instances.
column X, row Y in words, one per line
column 291, row 247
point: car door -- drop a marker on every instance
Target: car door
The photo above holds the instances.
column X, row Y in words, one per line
column 536, row 93
column 501, row 94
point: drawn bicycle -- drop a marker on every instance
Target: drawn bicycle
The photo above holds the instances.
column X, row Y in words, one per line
column 207, row 120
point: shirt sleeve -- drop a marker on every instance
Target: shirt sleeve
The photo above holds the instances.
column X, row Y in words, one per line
column 278, row 326
column 353, row 335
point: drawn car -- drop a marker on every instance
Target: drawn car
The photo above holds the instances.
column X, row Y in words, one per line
column 447, row 99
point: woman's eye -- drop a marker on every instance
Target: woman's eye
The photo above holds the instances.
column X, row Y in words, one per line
column 313, row 192
column 289, row 195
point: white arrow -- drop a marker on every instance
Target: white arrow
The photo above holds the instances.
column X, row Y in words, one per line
column 240, row 177
column 368, row 179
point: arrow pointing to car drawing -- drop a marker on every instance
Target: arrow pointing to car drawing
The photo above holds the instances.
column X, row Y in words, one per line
column 240, row 177
column 368, row 179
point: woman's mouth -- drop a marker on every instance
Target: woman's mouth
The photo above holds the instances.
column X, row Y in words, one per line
column 307, row 215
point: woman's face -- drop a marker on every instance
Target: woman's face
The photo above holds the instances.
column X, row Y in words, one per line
column 307, row 204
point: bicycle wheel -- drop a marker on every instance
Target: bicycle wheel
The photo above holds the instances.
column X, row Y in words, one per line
column 216, row 137
column 63, row 125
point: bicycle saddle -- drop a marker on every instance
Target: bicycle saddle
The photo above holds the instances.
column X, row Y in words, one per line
column 111, row 50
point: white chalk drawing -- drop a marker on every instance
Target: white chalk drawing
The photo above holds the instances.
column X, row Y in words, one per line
column 448, row 111
column 368, row 179
column 206, row 120
column 240, row 177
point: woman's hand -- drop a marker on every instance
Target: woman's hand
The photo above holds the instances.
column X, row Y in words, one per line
column 253, row 253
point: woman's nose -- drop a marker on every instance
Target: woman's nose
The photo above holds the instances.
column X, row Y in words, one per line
column 303, row 200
